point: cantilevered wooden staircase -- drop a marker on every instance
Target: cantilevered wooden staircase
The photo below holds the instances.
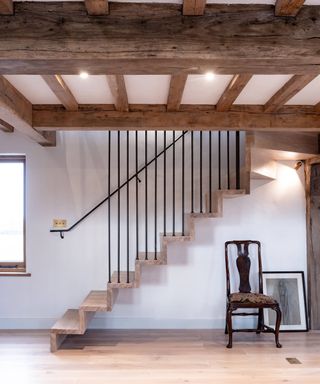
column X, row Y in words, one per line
column 76, row 321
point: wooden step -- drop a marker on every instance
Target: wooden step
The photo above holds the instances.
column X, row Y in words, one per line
column 151, row 258
column 204, row 215
column 96, row 301
column 68, row 324
column 177, row 237
column 123, row 280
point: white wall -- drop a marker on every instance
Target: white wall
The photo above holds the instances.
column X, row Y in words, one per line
column 63, row 182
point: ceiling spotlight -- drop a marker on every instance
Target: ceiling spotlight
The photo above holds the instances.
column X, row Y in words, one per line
column 209, row 76
column 84, row 75
column 298, row 164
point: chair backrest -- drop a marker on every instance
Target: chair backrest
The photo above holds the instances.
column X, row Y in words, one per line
column 243, row 264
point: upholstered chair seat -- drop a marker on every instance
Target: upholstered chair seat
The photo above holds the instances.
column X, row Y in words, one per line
column 251, row 298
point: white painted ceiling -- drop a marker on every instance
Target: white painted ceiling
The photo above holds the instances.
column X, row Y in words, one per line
column 154, row 89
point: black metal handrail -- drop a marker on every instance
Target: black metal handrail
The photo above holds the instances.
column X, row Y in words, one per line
column 134, row 176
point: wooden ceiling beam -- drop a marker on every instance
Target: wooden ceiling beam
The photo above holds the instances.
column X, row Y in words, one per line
column 61, row 90
column 155, row 39
column 285, row 93
column 193, row 7
column 6, row 7
column 118, row 89
column 232, row 91
column 177, row 84
column 288, row 7
column 5, row 127
column 316, row 108
column 97, row 118
column 16, row 111
column 97, row 7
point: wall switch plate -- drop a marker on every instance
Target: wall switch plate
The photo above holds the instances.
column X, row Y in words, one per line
column 59, row 223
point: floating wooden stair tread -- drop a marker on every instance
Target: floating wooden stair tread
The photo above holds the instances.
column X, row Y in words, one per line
column 151, row 258
column 96, row 301
column 176, row 237
column 68, row 324
column 204, row 215
column 123, row 280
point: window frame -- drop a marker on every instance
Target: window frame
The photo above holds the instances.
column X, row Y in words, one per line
column 17, row 267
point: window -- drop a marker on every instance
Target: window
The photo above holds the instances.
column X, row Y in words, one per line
column 12, row 213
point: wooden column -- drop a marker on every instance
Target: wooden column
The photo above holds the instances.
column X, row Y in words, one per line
column 312, row 178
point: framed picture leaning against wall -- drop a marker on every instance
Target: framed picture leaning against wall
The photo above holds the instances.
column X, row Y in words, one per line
column 288, row 288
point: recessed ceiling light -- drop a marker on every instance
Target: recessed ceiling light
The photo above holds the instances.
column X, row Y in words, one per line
column 209, row 76
column 84, row 75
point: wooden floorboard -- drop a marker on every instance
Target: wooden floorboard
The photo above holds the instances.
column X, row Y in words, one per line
column 158, row 357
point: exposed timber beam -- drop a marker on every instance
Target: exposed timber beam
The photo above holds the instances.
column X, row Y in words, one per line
column 297, row 142
column 177, row 84
column 118, row 89
column 317, row 108
column 233, row 90
column 97, row 7
column 16, row 111
column 203, row 118
column 288, row 7
column 285, row 93
column 6, row 7
column 155, row 39
column 5, row 127
column 61, row 90
column 193, row 7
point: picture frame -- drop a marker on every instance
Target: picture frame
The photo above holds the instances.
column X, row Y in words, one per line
column 288, row 288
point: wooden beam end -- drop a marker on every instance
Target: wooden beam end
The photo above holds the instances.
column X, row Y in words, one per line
column 6, row 7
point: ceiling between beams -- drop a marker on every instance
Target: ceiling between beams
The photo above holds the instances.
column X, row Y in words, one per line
column 153, row 89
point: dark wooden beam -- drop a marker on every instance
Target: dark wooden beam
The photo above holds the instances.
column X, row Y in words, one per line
column 5, row 127
column 49, row 38
column 177, row 84
column 97, row 7
column 61, row 90
column 16, row 111
column 101, row 118
column 312, row 182
column 6, row 7
column 285, row 93
column 118, row 89
column 288, row 7
column 317, row 108
column 297, row 142
column 233, row 90
column 193, row 7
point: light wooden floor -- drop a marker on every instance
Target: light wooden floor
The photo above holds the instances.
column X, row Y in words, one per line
column 157, row 357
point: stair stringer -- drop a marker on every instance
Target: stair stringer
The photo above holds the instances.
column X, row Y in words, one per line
column 76, row 321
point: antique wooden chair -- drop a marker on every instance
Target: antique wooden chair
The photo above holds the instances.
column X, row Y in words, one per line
column 245, row 299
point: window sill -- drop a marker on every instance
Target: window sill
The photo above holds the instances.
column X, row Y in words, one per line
column 24, row 274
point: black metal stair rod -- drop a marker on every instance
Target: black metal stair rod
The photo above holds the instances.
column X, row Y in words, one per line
column 128, row 209
column 219, row 159
column 192, row 174
column 146, row 193
column 109, row 207
column 237, row 160
column 155, row 192
column 165, row 185
column 174, row 185
column 182, row 182
column 115, row 192
column 228, row 158
column 119, row 236
column 137, row 198
column 201, row 172
column 210, row 171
